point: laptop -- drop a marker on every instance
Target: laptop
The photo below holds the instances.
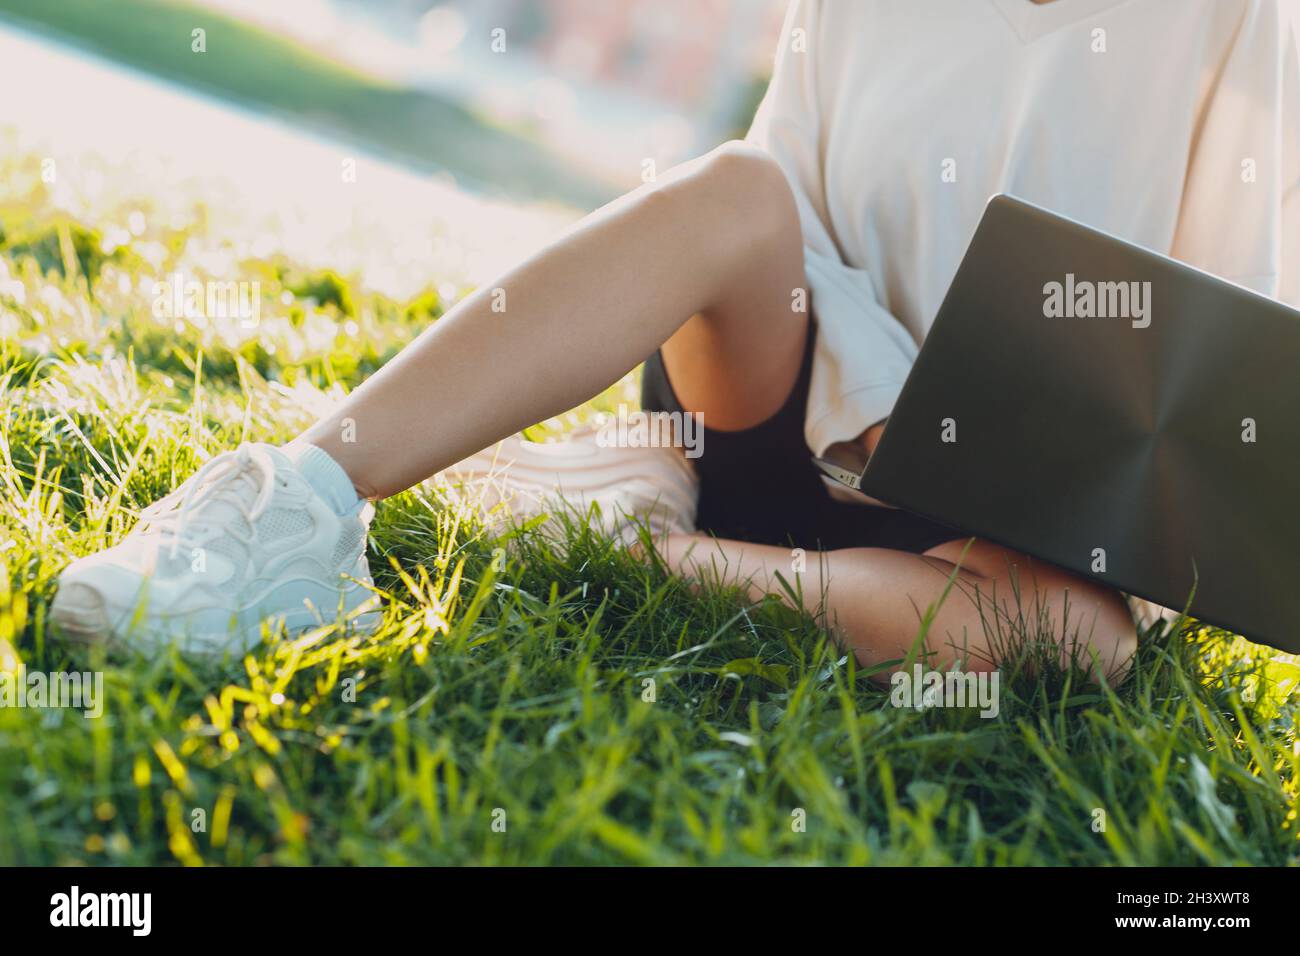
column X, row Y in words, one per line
column 1112, row 411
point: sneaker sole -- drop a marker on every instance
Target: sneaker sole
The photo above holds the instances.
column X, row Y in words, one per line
column 241, row 630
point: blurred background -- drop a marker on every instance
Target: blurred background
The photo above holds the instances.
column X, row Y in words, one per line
column 475, row 129
column 366, row 162
column 537, row 99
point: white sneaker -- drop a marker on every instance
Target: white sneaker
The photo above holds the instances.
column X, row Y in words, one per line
column 517, row 480
column 245, row 541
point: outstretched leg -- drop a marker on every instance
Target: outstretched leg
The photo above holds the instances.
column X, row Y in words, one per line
column 715, row 241
column 263, row 535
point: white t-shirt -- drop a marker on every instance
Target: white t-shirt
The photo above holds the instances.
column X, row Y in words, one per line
column 1174, row 124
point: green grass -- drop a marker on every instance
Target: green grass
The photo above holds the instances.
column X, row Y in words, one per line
column 522, row 691
column 270, row 73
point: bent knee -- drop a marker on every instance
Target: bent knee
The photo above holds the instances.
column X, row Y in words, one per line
column 1090, row 622
column 744, row 165
column 1093, row 626
column 1112, row 643
column 740, row 185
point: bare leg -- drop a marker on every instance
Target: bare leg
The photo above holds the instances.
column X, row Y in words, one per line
column 875, row 598
column 706, row 260
column 715, row 241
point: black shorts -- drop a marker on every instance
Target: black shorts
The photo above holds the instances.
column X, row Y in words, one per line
column 760, row 484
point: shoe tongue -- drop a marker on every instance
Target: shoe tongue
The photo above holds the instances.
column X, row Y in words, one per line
column 232, row 501
column 229, row 504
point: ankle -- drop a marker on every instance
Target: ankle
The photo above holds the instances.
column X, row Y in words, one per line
column 326, row 475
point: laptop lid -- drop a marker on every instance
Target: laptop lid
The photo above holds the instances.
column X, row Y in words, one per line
column 1112, row 411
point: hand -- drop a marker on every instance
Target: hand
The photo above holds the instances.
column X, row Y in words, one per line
column 871, row 437
column 854, row 454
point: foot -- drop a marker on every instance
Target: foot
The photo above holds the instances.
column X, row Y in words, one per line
column 245, row 542
column 517, row 480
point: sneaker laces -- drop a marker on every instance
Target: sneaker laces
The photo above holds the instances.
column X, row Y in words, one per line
column 180, row 513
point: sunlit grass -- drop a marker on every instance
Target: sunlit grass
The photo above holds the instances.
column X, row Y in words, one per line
column 519, row 695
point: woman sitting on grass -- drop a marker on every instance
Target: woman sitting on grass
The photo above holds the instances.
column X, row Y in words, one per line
column 885, row 128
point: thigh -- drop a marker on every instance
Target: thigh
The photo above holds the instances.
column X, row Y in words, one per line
column 756, row 484
column 736, row 361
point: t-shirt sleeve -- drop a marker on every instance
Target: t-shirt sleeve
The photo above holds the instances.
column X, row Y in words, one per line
column 863, row 352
